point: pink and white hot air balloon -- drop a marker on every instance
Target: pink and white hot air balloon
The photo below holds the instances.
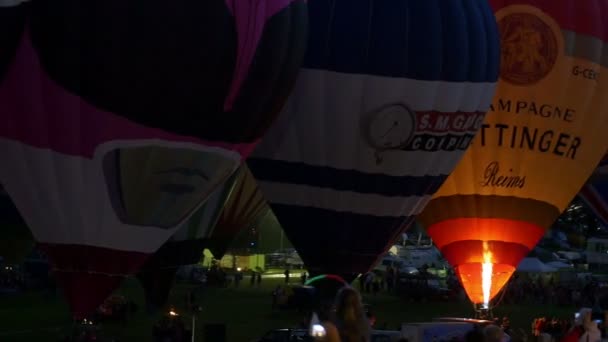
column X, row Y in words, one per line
column 120, row 118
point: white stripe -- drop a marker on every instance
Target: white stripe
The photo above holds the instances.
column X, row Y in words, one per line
column 419, row 95
column 342, row 201
column 321, row 123
column 11, row 3
column 64, row 199
column 107, row 146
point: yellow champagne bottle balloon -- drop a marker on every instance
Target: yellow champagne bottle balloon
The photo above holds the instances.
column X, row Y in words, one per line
column 542, row 139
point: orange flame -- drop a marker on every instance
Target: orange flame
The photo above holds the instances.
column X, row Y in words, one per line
column 483, row 280
column 486, row 274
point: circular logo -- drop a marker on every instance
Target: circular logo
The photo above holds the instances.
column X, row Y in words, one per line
column 529, row 48
column 391, row 127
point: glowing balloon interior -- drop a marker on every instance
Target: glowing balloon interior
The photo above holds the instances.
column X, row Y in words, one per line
column 184, row 248
column 538, row 145
column 243, row 207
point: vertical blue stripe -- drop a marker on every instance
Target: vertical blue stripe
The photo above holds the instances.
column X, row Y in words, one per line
column 428, row 40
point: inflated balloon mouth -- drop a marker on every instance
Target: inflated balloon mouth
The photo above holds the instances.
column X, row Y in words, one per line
column 482, row 281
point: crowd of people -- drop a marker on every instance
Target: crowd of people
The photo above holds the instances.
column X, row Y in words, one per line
column 583, row 293
column 582, row 329
column 374, row 282
column 554, row 327
column 347, row 321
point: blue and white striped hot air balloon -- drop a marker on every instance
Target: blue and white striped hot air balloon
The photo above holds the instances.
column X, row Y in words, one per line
column 390, row 95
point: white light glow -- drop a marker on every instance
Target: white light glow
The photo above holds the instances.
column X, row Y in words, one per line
column 486, row 274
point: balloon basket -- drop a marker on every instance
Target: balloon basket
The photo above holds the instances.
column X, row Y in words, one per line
column 483, row 311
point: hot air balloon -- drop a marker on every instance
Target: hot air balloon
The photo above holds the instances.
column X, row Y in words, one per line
column 538, row 145
column 389, row 97
column 244, row 206
column 17, row 240
column 184, row 248
column 120, row 118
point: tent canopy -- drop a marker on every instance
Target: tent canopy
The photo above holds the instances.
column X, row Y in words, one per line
column 534, row 265
column 559, row 264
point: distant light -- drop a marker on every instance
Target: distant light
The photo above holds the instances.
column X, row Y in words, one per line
column 317, row 330
column 172, row 313
column 238, row 269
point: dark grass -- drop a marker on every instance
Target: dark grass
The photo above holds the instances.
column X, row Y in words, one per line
column 246, row 311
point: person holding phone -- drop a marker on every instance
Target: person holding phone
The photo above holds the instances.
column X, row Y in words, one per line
column 349, row 323
column 591, row 331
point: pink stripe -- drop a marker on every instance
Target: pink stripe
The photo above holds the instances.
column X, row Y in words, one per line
column 88, row 274
column 250, row 17
column 40, row 113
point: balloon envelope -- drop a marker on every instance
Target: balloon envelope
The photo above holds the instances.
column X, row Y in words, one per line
column 389, row 97
column 539, row 144
column 119, row 118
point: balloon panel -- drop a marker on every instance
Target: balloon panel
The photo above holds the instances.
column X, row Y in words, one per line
column 186, row 246
column 539, row 142
column 244, row 206
column 594, row 196
column 214, row 225
column 595, row 192
column 107, row 151
column 600, row 174
column 390, row 95
column 202, row 223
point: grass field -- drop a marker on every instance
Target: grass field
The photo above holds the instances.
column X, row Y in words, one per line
column 246, row 311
